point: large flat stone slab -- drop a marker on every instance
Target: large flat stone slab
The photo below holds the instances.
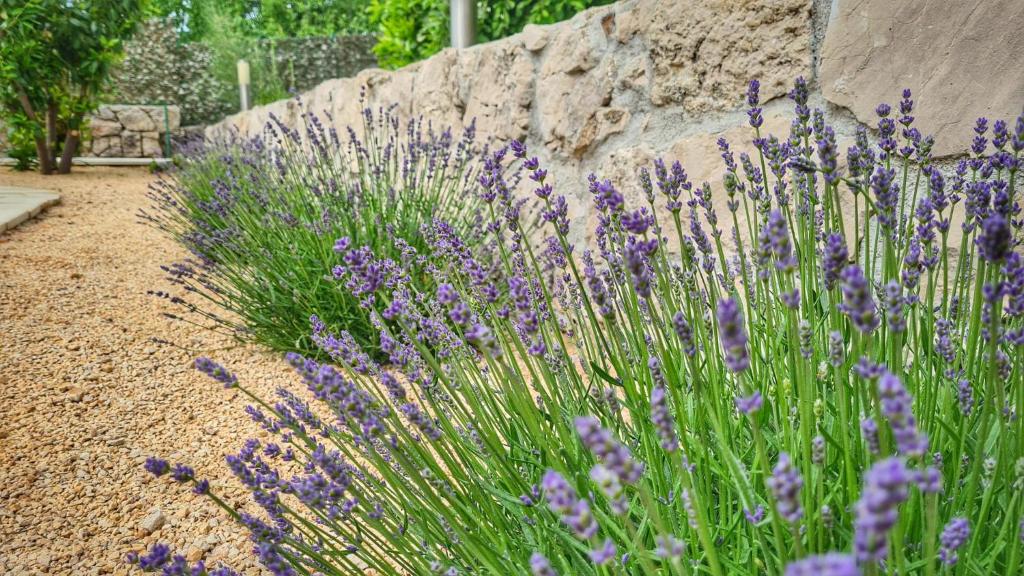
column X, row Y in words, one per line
column 19, row 204
column 960, row 58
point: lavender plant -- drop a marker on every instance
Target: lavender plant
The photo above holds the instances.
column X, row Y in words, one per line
column 260, row 218
column 798, row 396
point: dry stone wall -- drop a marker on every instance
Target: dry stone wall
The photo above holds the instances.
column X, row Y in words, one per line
column 129, row 131
column 618, row 86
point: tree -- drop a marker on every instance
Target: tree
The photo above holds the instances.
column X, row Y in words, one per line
column 55, row 56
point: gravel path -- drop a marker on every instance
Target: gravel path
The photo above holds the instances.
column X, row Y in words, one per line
column 86, row 396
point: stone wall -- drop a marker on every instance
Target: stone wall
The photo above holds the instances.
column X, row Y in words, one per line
column 302, row 63
column 129, row 131
column 617, row 86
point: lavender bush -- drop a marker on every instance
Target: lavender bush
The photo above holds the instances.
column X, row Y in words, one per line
column 796, row 396
column 260, row 219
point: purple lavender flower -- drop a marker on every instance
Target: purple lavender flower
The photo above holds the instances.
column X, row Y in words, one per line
column 929, row 480
column 733, row 335
column 954, row 535
column 831, row 564
column 857, row 301
column 216, row 371
column 182, row 473
column 965, row 395
column 749, row 404
column 753, row 98
column 669, row 547
column 896, row 406
column 637, row 254
column 662, row 418
column 894, row 302
column 540, row 566
column 610, row 485
column 612, row 453
column 834, row 260
column 637, row 221
column 156, row 466
column 869, row 428
column 574, row 511
column 885, row 488
column 886, row 192
column 994, row 239
column 777, row 233
column 604, row 553
column 685, row 333
column 157, row 557
column 785, row 484
column 756, row 516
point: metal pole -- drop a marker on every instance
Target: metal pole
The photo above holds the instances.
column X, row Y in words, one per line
column 463, row 23
column 243, row 84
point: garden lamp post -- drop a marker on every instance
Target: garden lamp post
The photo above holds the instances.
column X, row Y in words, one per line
column 243, row 84
column 463, row 23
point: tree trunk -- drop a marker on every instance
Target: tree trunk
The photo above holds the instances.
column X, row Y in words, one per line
column 70, row 145
column 51, row 132
column 45, row 167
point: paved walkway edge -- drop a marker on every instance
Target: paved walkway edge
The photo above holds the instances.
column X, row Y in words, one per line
column 20, row 204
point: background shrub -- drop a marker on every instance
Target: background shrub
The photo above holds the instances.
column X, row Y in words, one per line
column 158, row 67
column 261, row 219
column 411, row 30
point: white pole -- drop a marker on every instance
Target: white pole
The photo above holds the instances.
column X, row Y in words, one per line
column 463, row 23
column 243, row 84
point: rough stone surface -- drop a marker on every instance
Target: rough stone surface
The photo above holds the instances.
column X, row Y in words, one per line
column 152, row 147
column 534, row 37
column 100, row 127
column 153, row 522
column 956, row 57
column 131, row 144
column 702, row 56
column 130, row 131
column 499, row 90
column 136, row 119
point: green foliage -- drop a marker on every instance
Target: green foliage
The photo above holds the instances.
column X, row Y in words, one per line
column 410, row 30
column 262, row 217
column 55, row 57
column 159, row 68
column 265, row 18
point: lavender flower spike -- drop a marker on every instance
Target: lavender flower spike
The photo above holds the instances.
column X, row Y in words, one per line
column 662, row 419
column 615, row 456
column 574, row 511
column 896, row 404
column 954, row 535
column 216, row 371
column 857, row 301
column 831, row 564
column 541, row 566
column 733, row 335
column 885, row 488
column 785, row 484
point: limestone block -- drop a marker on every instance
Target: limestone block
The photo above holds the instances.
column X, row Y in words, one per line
column 954, row 59
column 136, row 119
column 535, row 38
column 498, row 90
column 131, row 144
column 703, row 56
column 100, row 127
column 152, row 145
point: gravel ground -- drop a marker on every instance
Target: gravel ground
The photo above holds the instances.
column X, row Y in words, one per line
column 86, row 395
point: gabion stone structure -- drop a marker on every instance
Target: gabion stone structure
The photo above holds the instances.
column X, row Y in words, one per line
column 129, row 131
